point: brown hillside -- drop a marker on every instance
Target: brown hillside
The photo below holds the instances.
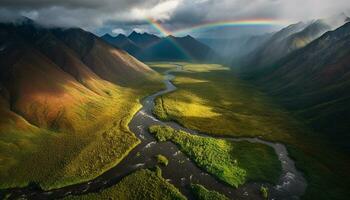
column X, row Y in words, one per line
column 107, row 62
column 66, row 99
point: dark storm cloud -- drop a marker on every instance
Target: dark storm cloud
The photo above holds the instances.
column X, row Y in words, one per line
column 72, row 4
column 37, row 4
column 97, row 15
column 88, row 14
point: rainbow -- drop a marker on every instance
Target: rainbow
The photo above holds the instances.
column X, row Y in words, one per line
column 156, row 25
column 216, row 24
column 164, row 32
column 230, row 23
column 210, row 25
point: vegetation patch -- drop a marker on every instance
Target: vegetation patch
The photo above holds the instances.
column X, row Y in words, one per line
column 264, row 192
column 201, row 193
column 162, row 67
column 162, row 160
column 140, row 185
column 211, row 99
column 232, row 162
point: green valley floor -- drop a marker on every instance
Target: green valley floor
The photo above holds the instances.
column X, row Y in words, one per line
column 210, row 99
column 213, row 100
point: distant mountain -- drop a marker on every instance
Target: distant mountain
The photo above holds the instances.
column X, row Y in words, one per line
column 314, row 81
column 232, row 48
column 148, row 47
column 179, row 48
column 122, row 42
column 143, row 40
column 288, row 40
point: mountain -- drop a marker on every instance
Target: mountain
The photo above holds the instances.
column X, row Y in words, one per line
column 143, row 40
column 288, row 40
column 148, row 47
column 179, row 48
column 65, row 100
column 106, row 61
column 39, row 60
column 122, row 42
column 314, row 82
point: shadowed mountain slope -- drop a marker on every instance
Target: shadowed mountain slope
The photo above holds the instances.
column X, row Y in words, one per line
column 314, row 82
column 122, row 42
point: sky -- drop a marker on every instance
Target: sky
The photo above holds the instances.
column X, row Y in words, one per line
column 125, row 16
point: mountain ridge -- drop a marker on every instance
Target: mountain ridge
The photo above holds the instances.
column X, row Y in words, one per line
column 313, row 82
column 287, row 40
column 149, row 47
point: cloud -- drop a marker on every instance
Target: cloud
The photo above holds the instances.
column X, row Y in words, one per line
column 107, row 15
column 118, row 31
column 88, row 14
column 161, row 11
column 140, row 30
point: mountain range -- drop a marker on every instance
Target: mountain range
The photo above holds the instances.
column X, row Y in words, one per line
column 313, row 81
column 149, row 47
column 287, row 40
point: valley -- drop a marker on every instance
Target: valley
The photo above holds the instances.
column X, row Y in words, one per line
column 199, row 104
column 153, row 101
column 267, row 171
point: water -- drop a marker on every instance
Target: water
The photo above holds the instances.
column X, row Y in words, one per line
column 181, row 171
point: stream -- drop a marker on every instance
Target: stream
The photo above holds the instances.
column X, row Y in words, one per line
column 181, row 171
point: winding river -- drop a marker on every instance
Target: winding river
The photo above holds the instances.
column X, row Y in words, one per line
column 181, row 170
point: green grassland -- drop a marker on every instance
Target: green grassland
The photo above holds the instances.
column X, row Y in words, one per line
column 140, row 185
column 211, row 99
column 54, row 158
column 201, row 193
column 162, row 67
column 232, row 162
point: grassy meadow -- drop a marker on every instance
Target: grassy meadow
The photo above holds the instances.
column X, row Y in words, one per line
column 162, row 67
column 213, row 100
column 53, row 158
column 202, row 193
column 210, row 99
column 232, row 162
column 140, row 185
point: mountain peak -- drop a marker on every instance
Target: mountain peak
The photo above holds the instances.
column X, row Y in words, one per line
column 170, row 36
column 134, row 33
column 120, row 35
column 107, row 35
column 189, row 37
column 144, row 39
